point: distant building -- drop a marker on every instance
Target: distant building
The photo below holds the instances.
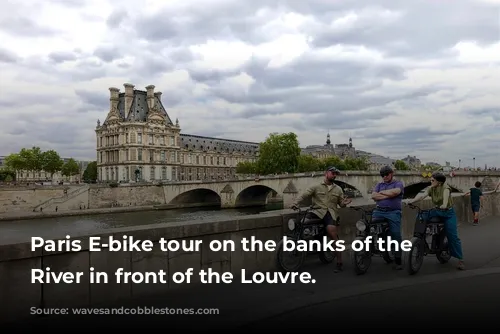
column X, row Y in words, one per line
column 377, row 161
column 42, row 176
column 412, row 162
column 328, row 150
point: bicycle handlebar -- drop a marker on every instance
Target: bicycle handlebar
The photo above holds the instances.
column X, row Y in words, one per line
column 413, row 206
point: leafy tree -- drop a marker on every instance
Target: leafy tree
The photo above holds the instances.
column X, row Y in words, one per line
column 308, row 163
column 333, row 161
column 51, row 162
column 70, row 168
column 90, row 173
column 32, row 159
column 279, row 153
column 15, row 163
column 7, row 175
column 246, row 167
column 356, row 163
column 401, row 165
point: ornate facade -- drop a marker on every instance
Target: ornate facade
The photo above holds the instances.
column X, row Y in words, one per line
column 139, row 142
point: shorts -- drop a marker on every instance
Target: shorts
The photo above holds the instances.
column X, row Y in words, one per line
column 476, row 207
column 327, row 219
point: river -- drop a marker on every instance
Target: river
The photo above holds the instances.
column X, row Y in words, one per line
column 23, row 230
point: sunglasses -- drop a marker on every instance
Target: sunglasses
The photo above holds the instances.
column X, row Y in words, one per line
column 384, row 174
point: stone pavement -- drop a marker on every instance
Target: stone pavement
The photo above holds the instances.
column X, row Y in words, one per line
column 339, row 299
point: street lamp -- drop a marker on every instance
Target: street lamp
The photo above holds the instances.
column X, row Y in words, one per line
column 459, row 163
column 474, row 162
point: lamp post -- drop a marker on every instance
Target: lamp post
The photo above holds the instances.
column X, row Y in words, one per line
column 474, row 162
column 459, row 163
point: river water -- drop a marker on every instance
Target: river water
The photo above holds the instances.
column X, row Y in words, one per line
column 23, row 230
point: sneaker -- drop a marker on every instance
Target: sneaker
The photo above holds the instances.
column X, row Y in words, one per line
column 461, row 265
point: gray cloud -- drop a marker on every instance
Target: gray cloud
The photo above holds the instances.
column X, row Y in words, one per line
column 25, row 27
column 116, row 18
column 7, row 56
column 97, row 100
column 107, row 53
column 62, row 56
column 417, row 28
column 383, row 72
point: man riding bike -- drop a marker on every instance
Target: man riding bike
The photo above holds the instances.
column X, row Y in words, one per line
column 327, row 198
column 440, row 194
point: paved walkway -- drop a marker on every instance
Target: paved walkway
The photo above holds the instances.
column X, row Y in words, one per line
column 345, row 300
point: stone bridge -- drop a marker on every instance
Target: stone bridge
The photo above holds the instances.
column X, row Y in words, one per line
column 257, row 191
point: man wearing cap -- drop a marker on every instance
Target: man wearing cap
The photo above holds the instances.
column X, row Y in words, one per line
column 326, row 198
column 388, row 195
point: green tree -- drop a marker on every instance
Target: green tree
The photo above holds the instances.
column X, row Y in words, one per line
column 333, row 161
column 308, row 163
column 90, row 173
column 7, row 175
column 246, row 167
column 51, row 162
column 32, row 158
column 279, row 153
column 15, row 163
column 70, row 168
column 401, row 165
column 360, row 163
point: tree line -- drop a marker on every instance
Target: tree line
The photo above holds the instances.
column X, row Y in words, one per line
column 281, row 153
column 34, row 160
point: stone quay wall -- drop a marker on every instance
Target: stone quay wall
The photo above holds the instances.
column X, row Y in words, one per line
column 18, row 294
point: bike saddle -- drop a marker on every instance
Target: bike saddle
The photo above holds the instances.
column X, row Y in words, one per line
column 379, row 220
column 436, row 220
column 312, row 221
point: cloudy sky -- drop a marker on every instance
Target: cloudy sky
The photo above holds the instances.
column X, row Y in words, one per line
column 405, row 77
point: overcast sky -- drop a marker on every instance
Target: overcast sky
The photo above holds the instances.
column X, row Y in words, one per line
column 418, row 77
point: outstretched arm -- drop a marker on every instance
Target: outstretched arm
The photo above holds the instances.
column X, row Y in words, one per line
column 307, row 194
column 420, row 197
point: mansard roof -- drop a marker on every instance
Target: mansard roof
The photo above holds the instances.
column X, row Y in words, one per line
column 139, row 109
column 194, row 142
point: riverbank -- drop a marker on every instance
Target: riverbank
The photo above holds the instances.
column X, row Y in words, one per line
column 13, row 216
column 40, row 215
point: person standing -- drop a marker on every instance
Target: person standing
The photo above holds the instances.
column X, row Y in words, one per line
column 476, row 198
column 388, row 195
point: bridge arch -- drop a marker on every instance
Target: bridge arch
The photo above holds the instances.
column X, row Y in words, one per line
column 412, row 189
column 254, row 195
column 201, row 197
column 349, row 190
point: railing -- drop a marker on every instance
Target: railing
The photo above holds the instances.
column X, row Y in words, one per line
column 62, row 199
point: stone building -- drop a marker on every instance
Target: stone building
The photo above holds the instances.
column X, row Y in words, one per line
column 138, row 141
column 328, row 150
column 412, row 162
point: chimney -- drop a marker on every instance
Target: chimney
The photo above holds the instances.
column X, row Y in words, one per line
column 113, row 97
column 129, row 96
column 150, row 96
column 158, row 95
